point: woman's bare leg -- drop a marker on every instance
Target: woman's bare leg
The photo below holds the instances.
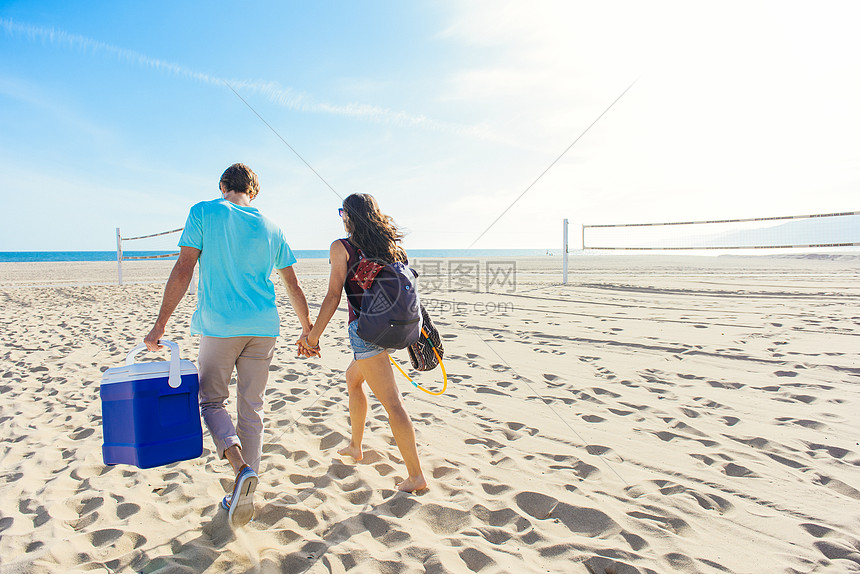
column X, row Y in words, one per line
column 357, row 411
column 380, row 378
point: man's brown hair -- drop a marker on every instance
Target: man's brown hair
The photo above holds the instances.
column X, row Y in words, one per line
column 240, row 178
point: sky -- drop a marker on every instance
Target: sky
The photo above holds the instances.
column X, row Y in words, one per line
column 121, row 114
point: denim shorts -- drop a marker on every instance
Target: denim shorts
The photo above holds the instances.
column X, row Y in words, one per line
column 362, row 349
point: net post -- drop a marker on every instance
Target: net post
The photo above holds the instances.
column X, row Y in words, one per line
column 119, row 256
column 564, row 255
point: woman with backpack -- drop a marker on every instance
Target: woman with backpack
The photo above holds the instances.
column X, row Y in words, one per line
column 372, row 236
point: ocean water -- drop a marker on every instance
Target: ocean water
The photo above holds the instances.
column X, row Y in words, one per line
column 41, row 256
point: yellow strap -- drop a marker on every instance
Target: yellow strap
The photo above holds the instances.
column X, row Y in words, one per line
column 441, row 364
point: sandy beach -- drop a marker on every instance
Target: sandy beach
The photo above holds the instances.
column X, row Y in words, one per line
column 656, row 414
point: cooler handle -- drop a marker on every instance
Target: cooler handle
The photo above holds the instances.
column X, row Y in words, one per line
column 174, row 378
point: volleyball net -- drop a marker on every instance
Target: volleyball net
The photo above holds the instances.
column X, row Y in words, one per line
column 121, row 256
column 823, row 230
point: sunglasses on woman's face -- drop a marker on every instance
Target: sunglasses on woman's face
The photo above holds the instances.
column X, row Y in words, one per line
column 340, row 212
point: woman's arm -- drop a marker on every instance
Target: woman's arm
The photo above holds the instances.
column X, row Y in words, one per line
column 338, row 257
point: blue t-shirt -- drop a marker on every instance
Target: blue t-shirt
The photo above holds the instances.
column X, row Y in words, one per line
column 239, row 248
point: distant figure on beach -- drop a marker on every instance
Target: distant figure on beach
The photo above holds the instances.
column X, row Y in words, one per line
column 236, row 316
column 375, row 235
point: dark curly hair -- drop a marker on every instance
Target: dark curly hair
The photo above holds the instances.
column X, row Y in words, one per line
column 372, row 231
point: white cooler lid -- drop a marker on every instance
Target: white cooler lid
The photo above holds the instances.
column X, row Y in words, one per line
column 139, row 371
column 131, row 371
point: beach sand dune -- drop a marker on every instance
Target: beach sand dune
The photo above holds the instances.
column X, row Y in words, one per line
column 674, row 414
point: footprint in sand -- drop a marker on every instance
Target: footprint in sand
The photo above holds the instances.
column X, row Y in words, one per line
column 581, row 520
column 474, row 559
column 496, row 518
column 87, row 505
column 514, row 426
column 494, row 489
column 331, row 440
column 837, row 486
column 490, row 391
column 586, row 397
column 80, row 434
column 105, row 536
column 690, row 413
column 719, row 385
column 443, row 471
column 296, row 479
column 817, row 530
column 383, row 469
column 834, row 451
column 6, row 523
column 444, row 520
column 127, row 509
column 579, row 468
column 496, row 536
column 738, row 471
column 836, row 551
column 712, row 502
column 341, row 471
column 672, row 524
column 603, row 564
column 637, row 407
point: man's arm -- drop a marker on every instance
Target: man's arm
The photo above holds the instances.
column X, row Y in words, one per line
column 297, row 298
column 177, row 285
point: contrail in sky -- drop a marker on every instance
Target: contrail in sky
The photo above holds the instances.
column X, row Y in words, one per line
column 274, row 92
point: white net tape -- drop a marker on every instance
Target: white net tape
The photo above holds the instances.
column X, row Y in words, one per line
column 783, row 232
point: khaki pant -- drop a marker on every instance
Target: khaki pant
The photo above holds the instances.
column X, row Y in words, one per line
column 251, row 357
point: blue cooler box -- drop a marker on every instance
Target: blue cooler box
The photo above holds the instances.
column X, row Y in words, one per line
column 150, row 411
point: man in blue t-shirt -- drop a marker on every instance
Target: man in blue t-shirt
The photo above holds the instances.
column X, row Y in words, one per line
column 237, row 318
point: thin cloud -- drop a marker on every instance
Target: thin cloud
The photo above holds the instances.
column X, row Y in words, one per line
column 30, row 96
column 283, row 96
column 84, row 44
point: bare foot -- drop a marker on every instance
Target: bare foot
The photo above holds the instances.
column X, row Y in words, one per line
column 412, row 484
column 352, row 451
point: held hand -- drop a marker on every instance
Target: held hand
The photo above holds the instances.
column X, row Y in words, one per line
column 307, row 331
column 314, row 344
column 312, row 350
column 301, row 351
column 306, row 349
column 152, row 339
